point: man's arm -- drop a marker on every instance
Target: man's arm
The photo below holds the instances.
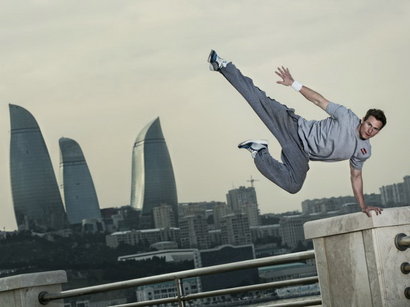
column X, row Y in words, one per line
column 357, row 186
column 308, row 93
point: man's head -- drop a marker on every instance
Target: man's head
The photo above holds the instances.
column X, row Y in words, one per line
column 372, row 123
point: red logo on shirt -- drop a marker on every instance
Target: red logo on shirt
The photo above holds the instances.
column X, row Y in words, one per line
column 364, row 151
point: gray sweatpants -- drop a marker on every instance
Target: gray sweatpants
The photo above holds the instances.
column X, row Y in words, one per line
column 283, row 123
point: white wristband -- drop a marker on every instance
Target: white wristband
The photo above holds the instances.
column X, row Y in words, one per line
column 297, row 86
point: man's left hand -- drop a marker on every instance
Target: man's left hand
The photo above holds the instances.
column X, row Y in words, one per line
column 370, row 208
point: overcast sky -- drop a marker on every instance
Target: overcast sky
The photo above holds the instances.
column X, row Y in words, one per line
column 99, row 71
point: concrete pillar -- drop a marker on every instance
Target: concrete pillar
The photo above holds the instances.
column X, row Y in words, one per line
column 23, row 290
column 357, row 261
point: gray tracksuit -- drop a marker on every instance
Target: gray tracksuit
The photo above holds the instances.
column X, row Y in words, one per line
column 332, row 139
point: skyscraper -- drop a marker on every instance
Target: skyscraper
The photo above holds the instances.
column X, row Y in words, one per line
column 236, row 198
column 163, row 216
column 80, row 198
column 152, row 178
column 194, row 232
column 36, row 198
column 235, row 229
column 406, row 185
column 243, row 200
column 387, row 195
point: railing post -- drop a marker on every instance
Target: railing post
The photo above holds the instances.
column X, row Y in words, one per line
column 180, row 292
column 402, row 241
column 23, row 290
column 405, row 268
column 407, row 292
column 357, row 260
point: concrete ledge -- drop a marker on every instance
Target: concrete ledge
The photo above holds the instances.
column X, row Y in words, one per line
column 356, row 222
column 32, row 280
column 357, row 261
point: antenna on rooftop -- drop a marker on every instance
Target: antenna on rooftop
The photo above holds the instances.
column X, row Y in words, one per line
column 252, row 181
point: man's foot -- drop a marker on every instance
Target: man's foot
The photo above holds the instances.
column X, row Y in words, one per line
column 215, row 62
column 254, row 146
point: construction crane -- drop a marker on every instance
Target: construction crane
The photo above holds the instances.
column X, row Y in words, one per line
column 252, row 181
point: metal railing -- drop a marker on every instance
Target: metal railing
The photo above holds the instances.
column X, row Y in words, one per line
column 45, row 297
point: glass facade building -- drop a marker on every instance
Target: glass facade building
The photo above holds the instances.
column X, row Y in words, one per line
column 36, row 197
column 152, row 178
column 80, row 198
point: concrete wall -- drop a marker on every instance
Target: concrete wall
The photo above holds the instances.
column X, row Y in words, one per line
column 357, row 261
column 23, row 290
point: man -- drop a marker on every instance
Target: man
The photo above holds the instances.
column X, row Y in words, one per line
column 342, row 136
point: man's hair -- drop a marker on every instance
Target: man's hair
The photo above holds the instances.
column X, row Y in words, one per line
column 378, row 114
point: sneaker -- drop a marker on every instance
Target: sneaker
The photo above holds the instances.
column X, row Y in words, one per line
column 254, row 146
column 215, row 62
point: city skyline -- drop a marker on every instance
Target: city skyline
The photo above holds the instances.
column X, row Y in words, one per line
column 151, row 161
column 98, row 72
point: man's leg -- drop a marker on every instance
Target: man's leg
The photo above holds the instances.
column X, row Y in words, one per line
column 268, row 109
column 282, row 122
column 289, row 174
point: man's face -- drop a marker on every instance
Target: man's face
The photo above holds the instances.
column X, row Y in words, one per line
column 369, row 127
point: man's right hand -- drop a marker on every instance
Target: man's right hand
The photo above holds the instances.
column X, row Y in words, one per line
column 284, row 73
